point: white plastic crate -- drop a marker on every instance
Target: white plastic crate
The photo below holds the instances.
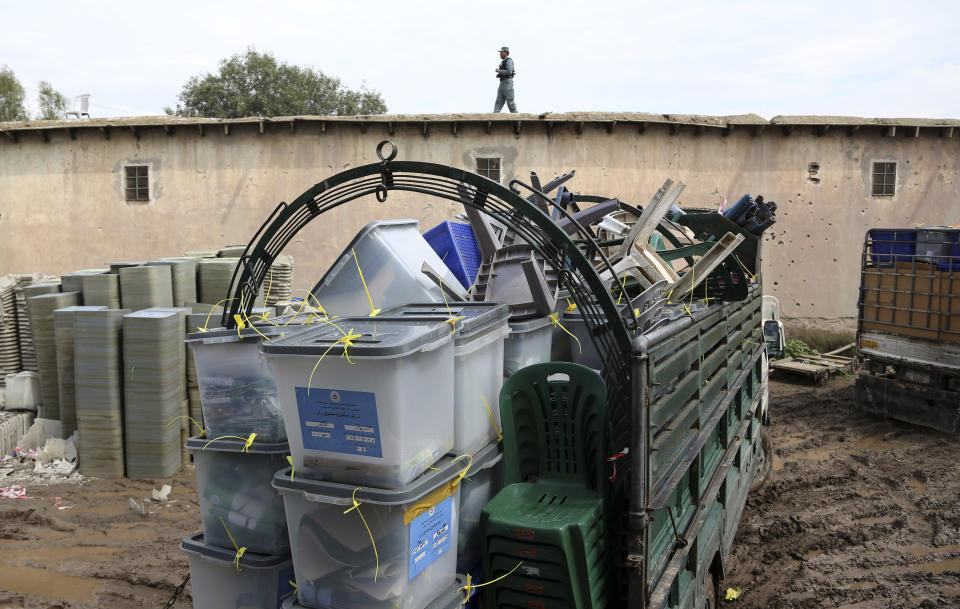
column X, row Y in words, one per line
column 234, row 485
column 528, row 343
column 413, row 530
column 379, row 414
column 238, row 392
column 478, row 365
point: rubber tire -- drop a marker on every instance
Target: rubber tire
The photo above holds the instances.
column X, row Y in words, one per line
column 763, row 474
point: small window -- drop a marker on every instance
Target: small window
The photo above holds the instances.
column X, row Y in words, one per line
column 136, row 183
column 489, row 168
column 884, row 179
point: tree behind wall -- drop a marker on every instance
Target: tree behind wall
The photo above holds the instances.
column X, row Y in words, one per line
column 256, row 84
column 53, row 104
column 11, row 97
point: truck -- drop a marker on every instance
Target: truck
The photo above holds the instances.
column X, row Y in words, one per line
column 908, row 326
column 687, row 394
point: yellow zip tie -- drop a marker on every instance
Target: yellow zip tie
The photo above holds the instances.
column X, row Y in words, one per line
column 462, row 474
column 212, row 309
column 347, row 341
column 624, row 282
column 571, row 305
column 469, row 586
column 303, row 303
column 203, row 431
column 373, row 311
column 292, row 583
column 240, row 551
column 319, row 306
column 555, row 318
column 745, row 269
column 247, row 442
column 693, row 279
column 492, row 420
column 376, row 555
column 292, row 468
column 452, row 320
column 733, row 594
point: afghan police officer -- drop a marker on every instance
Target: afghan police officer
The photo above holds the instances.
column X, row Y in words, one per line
column 505, row 73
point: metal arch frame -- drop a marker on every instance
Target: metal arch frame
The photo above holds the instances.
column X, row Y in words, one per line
column 610, row 332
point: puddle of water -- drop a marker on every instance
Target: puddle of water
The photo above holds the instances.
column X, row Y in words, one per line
column 53, row 555
column 880, row 441
column 925, row 551
column 48, row 583
column 951, row 564
column 919, row 486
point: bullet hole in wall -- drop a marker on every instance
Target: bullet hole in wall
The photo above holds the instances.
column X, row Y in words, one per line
column 813, row 173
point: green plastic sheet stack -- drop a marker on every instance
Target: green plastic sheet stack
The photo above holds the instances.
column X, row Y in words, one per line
column 9, row 343
column 102, row 290
column 143, row 287
column 73, row 282
column 27, row 287
column 98, row 374
column 184, row 278
column 41, row 310
column 63, row 321
column 153, row 369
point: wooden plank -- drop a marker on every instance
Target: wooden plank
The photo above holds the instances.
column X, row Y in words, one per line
column 841, row 349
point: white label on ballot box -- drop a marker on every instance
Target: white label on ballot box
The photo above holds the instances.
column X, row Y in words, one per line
column 338, row 420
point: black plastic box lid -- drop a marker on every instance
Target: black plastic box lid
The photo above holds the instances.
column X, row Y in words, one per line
column 194, row 544
column 378, row 338
column 477, row 315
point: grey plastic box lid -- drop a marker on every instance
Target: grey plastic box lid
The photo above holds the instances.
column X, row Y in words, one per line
column 379, row 338
column 478, row 316
column 278, row 328
column 230, row 445
column 443, row 471
column 194, row 544
column 529, row 325
column 485, row 458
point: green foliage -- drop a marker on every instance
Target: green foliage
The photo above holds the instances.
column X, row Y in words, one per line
column 11, row 97
column 796, row 348
column 256, row 84
column 53, row 104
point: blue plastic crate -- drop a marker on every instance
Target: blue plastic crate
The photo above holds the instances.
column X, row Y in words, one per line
column 890, row 245
column 939, row 246
column 457, row 246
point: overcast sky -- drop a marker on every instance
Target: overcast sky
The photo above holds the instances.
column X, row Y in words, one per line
column 859, row 58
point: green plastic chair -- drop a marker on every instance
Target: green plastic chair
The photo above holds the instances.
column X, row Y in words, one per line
column 551, row 518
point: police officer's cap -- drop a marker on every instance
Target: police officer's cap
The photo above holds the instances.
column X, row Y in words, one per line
column 504, row 49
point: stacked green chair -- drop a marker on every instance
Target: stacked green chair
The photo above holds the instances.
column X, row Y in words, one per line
column 551, row 517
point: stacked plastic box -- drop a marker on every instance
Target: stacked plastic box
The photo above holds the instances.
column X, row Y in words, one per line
column 240, row 509
column 370, row 406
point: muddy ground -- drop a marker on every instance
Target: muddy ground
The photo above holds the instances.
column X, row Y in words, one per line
column 858, row 512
